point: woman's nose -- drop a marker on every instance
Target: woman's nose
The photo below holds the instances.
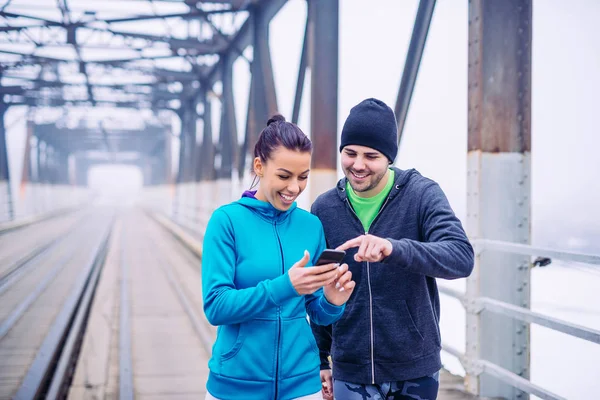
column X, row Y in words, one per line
column 293, row 187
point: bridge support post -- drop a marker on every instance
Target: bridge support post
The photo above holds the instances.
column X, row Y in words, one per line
column 6, row 201
column 323, row 59
column 499, row 185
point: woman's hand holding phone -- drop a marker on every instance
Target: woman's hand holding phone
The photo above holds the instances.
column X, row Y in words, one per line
column 309, row 280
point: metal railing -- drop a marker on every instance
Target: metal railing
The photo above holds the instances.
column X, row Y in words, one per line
column 478, row 304
column 190, row 206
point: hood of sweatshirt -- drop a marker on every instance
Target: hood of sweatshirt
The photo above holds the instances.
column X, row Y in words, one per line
column 265, row 209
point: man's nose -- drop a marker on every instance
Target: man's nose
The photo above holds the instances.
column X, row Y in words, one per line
column 359, row 164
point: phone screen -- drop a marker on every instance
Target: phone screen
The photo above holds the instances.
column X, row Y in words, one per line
column 329, row 256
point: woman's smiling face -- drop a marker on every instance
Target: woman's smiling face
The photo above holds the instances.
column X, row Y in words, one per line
column 282, row 177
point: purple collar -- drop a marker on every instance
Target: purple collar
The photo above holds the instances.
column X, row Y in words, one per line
column 249, row 193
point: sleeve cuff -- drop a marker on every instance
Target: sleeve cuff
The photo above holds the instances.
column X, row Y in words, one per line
column 332, row 309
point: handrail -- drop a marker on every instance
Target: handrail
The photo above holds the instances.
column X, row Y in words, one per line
column 503, row 374
column 526, row 315
column 479, row 304
column 509, row 247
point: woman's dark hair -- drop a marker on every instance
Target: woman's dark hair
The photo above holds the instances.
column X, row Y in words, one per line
column 277, row 133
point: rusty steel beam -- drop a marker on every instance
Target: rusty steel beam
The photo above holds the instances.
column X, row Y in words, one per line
column 4, row 173
column 500, row 76
column 41, row 166
column 244, row 37
column 228, row 132
column 191, row 117
column 182, row 145
column 250, row 135
column 324, row 85
column 301, row 72
column 6, row 197
column 263, row 98
column 168, row 139
column 413, row 61
column 207, row 159
column 187, row 115
column 82, row 166
column 26, row 170
column 324, row 59
column 499, row 185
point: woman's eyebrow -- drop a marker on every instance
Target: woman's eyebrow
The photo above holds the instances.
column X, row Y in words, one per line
column 290, row 172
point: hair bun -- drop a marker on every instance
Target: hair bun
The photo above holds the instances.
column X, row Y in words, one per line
column 275, row 118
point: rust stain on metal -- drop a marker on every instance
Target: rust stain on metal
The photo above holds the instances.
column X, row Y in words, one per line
column 324, row 85
column 499, row 69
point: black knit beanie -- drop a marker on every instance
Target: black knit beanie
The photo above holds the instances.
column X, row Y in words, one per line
column 372, row 123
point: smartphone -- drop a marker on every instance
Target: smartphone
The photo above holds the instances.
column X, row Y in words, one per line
column 329, row 256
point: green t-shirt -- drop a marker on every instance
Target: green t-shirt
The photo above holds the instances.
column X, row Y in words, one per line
column 367, row 208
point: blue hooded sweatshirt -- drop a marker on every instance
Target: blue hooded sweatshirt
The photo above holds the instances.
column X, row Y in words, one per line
column 264, row 348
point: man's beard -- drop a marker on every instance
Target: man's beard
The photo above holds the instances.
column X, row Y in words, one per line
column 375, row 179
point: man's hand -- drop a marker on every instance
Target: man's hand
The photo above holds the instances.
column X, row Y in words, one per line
column 370, row 248
column 338, row 292
column 326, row 384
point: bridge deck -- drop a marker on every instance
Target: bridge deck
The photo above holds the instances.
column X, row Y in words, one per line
column 146, row 335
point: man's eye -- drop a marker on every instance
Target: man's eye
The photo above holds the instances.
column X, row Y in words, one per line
column 372, row 157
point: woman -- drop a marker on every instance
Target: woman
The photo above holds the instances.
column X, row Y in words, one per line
column 256, row 284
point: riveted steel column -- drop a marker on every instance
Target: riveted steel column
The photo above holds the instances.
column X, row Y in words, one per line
column 324, row 21
column 207, row 154
column 250, row 136
column 191, row 116
column 263, row 96
column 499, row 185
column 198, row 146
column 187, row 115
column 41, row 160
column 182, row 145
column 28, row 172
column 51, row 164
column 81, row 171
column 7, row 212
column 27, row 169
column 168, row 156
column 228, row 131
column 62, row 166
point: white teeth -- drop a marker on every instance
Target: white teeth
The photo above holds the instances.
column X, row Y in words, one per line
column 287, row 198
column 358, row 176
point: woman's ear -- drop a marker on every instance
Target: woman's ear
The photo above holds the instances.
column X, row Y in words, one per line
column 258, row 167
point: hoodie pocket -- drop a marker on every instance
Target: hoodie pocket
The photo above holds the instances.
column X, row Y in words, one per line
column 396, row 335
column 299, row 352
column 253, row 356
column 229, row 341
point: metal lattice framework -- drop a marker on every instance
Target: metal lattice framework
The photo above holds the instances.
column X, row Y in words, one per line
column 146, row 56
column 130, row 53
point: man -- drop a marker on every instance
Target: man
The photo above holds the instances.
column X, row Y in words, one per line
column 400, row 233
